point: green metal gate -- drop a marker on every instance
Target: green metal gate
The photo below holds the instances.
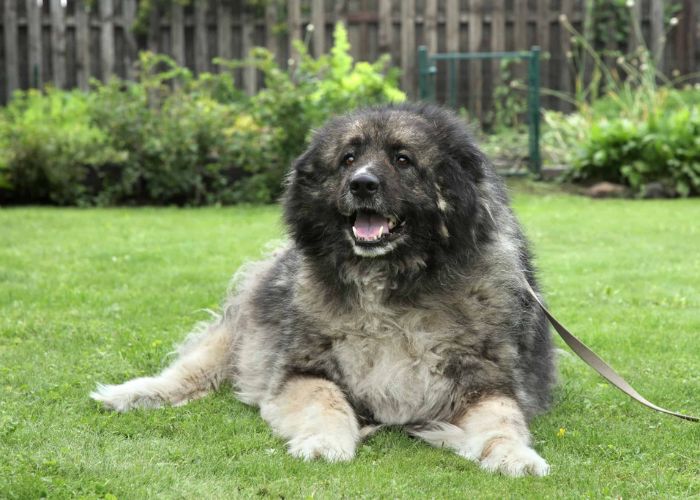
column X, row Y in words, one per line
column 427, row 72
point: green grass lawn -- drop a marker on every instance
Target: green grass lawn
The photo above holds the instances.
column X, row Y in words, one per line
column 104, row 295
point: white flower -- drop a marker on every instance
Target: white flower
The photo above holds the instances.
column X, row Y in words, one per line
column 620, row 60
column 309, row 27
column 643, row 67
column 290, row 61
column 673, row 21
column 562, row 18
column 569, row 54
column 630, row 3
column 676, row 73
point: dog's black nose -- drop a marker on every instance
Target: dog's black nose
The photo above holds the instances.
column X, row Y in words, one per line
column 364, row 184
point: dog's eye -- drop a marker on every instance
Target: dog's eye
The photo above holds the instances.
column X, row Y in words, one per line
column 403, row 160
column 348, row 159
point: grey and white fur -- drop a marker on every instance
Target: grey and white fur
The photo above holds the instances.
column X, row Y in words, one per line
column 400, row 300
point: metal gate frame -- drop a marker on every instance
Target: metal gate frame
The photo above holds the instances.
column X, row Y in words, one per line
column 427, row 72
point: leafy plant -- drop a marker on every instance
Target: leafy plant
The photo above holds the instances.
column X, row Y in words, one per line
column 171, row 138
column 295, row 102
column 630, row 126
column 509, row 101
column 48, row 143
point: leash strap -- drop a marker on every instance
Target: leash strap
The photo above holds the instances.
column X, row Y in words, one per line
column 594, row 361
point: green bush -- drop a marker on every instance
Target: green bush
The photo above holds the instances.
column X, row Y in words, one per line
column 48, row 142
column 608, row 143
column 632, row 124
column 169, row 138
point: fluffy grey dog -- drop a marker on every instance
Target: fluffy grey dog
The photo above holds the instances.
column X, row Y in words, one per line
column 401, row 300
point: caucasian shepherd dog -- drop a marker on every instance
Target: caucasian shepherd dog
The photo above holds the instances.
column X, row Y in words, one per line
column 400, row 300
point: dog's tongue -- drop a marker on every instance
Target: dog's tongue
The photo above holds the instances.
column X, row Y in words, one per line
column 370, row 226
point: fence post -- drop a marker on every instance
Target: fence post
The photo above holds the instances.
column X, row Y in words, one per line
column 426, row 72
column 534, row 108
column 422, row 72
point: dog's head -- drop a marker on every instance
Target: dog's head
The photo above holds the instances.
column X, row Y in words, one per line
column 391, row 183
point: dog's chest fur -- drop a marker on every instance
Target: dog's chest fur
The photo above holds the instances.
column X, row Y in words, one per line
column 392, row 360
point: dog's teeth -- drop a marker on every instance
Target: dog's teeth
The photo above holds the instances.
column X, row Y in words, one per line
column 381, row 232
column 354, row 232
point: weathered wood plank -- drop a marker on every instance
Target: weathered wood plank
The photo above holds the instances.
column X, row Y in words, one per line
column 177, row 33
column 498, row 37
column 153, row 37
column 293, row 26
column 129, row 17
column 247, row 32
column 363, row 46
column 452, row 26
column 565, row 65
column 318, row 21
column 107, row 38
column 58, row 43
column 684, row 38
column 270, row 22
column 520, row 25
column 452, row 22
column 430, row 30
column 542, row 27
column 586, row 61
column 408, row 47
column 385, row 27
column 34, row 43
column 11, row 48
column 520, row 35
column 82, row 44
column 224, row 46
column 201, row 61
column 475, row 67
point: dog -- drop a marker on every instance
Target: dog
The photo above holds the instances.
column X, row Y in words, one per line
column 400, row 300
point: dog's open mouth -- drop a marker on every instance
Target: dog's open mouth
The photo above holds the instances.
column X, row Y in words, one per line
column 370, row 228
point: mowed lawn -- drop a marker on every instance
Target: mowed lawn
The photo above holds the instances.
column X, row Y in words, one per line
column 103, row 295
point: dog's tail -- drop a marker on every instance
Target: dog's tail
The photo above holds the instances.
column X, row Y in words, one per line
column 203, row 363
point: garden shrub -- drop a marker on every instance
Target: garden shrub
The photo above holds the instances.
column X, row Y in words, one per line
column 632, row 124
column 47, row 143
column 607, row 143
column 170, row 138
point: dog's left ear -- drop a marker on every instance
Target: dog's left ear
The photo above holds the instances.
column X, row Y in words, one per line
column 304, row 163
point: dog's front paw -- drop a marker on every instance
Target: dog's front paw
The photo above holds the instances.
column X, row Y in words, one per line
column 512, row 458
column 330, row 448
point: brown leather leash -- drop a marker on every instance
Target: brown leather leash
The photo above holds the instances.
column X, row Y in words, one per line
column 594, row 361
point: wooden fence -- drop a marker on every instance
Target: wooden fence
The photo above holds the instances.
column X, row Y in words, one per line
column 67, row 42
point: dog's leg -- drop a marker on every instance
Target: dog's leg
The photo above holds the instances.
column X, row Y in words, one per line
column 313, row 414
column 494, row 433
column 201, row 366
